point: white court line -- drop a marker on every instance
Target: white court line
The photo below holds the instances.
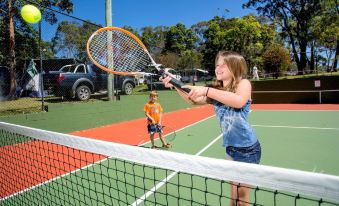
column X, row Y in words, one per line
column 293, row 127
column 164, row 181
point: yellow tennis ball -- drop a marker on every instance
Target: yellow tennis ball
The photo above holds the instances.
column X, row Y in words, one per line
column 30, row 14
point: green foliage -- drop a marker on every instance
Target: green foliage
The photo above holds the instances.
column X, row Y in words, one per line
column 70, row 39
column 246, row 35
column 190, row 59
column 180, row 39
column 325, row 26
column 26, row 42
column 276, row 59
column 294, row 18
column 154, row 38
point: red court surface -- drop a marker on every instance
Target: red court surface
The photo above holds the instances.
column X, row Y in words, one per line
column 32, row 163
column 134, row 132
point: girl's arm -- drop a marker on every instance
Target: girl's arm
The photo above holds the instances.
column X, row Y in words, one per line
column 236, row 100
column 197, row 100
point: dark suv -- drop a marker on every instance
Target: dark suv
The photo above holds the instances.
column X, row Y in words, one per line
column 82, row 80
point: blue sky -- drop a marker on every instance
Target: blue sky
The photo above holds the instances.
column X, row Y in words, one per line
column 141, row 13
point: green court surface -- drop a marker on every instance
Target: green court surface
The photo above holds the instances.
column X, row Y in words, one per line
column 302, row 140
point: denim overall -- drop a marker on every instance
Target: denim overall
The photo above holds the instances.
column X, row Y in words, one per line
column 239, row 137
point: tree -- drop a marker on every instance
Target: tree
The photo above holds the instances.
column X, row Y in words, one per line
column 326, row 32
column 11, row 17
column 154, row 39
column 190, row 59
column 71, row 37
column 168, row 59
column 276, row 59
column 180, row 39
column 246, row 35
column 294, row 18
column 214, row 37
column 65, row 39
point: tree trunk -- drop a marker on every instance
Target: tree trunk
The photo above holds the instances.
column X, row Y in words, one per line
column 295, row 54
column 303, row 57
column 311, row 64
column 12, row 61
column 335, row 62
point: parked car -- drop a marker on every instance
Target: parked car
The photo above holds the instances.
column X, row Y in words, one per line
column 82, row 80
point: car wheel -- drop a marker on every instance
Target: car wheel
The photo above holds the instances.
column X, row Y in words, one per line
column 128, row 88
column 83, row 93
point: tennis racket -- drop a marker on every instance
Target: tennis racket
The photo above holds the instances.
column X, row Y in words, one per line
column 171, row 134
column 118, row 51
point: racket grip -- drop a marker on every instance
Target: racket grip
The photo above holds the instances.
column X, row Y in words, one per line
column 178, row 84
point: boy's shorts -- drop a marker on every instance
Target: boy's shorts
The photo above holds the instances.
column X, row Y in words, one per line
column 154, row 128
column 251, row 154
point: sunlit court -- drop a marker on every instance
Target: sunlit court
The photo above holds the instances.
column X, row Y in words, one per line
column 70, row 170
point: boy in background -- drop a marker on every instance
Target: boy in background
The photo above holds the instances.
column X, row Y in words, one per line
column 153, row 111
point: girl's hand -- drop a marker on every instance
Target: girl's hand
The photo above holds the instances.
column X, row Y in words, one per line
column 195, row 96
column 196, row 92
column 166, row 81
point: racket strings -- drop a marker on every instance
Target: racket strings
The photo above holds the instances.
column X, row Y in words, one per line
column 118, row 51
column 171, row 134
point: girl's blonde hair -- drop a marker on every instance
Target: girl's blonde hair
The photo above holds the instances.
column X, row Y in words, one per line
column 236, row 64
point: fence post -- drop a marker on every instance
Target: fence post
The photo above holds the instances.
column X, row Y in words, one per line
column 41, row 73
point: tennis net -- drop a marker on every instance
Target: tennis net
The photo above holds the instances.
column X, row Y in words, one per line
column 39, row 167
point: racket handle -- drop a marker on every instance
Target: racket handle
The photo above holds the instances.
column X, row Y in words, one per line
column 178, row 84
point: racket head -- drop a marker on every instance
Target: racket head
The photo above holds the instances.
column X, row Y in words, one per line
column 117, row 51
column 171, row 134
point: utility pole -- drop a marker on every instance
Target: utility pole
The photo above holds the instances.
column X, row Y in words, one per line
column 110, row 78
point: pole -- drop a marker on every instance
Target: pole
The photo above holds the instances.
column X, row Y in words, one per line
column 41, row 73
column 193, row 70
column 110, row 78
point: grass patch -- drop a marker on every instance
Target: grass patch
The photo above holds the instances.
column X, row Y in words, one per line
column 21, row 105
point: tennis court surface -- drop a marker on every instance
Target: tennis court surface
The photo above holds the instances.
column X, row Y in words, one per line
column 299, row 163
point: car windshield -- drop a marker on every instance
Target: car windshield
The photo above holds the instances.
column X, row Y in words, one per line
column 68, row 68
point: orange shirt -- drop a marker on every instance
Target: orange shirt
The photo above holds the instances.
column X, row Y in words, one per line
column 154, row 110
